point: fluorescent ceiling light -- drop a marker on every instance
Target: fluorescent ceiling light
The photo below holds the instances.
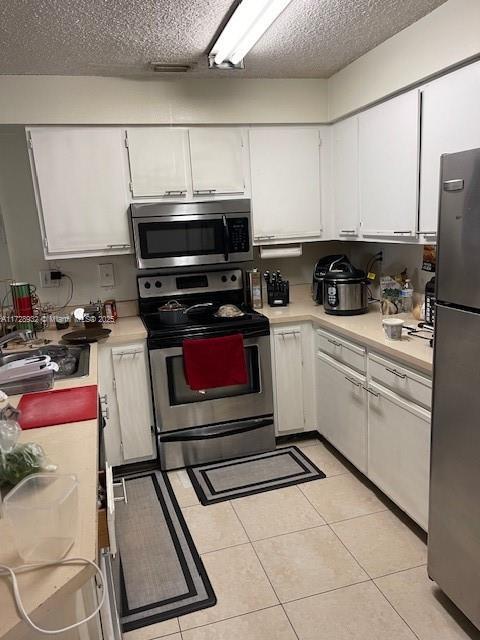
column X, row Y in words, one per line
column 246, row 26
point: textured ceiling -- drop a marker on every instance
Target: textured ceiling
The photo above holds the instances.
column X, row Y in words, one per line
column 311, row 39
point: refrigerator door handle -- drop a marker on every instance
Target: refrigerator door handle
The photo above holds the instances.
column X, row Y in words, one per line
column 453, row 185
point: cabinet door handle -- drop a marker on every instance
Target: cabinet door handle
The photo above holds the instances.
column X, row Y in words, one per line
column 122, row 498
column 175, row 192
column 377, row 395
column 354, row 382
column 396, row 373
column 203, row 191
column 334, row 342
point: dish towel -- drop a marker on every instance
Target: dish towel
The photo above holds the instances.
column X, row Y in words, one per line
column 214, row 362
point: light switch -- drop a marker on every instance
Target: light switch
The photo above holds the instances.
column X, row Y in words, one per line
column 106, row 275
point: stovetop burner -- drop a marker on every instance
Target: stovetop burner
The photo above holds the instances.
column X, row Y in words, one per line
column 218, row 287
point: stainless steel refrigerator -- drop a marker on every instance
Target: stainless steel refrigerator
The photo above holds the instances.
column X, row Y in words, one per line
column 454, row 520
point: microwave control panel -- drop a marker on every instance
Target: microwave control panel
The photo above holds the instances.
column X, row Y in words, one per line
column 238, row 235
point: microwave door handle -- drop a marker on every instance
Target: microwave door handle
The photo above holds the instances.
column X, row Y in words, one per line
column 226, row 238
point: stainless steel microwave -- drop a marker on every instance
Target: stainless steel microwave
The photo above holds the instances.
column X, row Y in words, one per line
column 191, row 233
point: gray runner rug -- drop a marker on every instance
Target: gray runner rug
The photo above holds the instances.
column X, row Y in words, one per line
column 158, row 573
column 218, row 481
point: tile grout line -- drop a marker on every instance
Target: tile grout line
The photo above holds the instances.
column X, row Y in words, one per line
column 321, row 593
column 345, row 546
column 238, row 615
column 397, row 612
column 392, row 573
column 264, row 571
column 361, row 515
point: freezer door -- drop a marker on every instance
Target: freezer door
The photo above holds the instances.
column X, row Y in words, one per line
column 454, row 521
column 458, row 262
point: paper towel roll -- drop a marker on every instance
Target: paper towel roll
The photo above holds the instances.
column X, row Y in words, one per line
column 287, row 251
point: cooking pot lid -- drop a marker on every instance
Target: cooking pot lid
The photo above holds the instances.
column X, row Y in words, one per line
column 345, row 271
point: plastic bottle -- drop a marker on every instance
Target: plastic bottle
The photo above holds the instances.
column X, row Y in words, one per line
column 407, row 297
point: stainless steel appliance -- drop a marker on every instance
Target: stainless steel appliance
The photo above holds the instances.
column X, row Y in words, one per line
column 191, row 233
column 454, row 520
column 214, row 424
column 321, row 268
column 344, row 289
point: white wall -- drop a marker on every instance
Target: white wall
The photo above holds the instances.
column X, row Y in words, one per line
column 441, row 39
column 100, row 100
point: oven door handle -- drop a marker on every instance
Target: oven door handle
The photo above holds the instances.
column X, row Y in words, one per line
column 208, row 433
column 226, row 238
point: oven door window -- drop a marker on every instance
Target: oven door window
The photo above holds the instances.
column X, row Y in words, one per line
column 180, row 392
column 181, row 238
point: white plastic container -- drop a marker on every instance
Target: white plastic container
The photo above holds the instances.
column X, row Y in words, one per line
column 393, row 328
column 42, row 510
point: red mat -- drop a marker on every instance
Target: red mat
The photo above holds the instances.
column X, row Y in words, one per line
column 48, row 408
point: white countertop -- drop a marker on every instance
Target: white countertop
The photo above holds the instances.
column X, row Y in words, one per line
column 365, row 329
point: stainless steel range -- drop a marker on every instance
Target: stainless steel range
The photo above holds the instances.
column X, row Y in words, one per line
column 217, row 423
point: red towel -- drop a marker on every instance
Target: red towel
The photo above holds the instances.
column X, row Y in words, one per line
column 214, row 362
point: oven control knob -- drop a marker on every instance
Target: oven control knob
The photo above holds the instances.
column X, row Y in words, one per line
column 233, row 278
column 224, row 278
column 158, row 284
column 147, row 285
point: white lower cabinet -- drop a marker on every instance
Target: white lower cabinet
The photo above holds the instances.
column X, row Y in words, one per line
column 342, row 409
column 125, row 395
column 399, row 451
column 378, row 416
column 293, row 379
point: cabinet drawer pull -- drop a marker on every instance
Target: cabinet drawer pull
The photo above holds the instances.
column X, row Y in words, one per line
column 334, row 342
column 175, row 192
column 351, row 232
column 118, row 246
column 396, row 373
column 377, row 395
column 122, row 498
column 354, row 382
column 290, row 333
column 202, row 191
column 264, row 237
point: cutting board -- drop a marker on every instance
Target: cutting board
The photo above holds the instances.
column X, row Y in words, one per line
column 48, row 408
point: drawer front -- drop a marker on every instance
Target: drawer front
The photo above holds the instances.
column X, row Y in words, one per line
column 341, row 350
column 403, row 381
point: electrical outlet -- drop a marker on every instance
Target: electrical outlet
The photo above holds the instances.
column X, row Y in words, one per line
column 106, row 275
column 46, row 279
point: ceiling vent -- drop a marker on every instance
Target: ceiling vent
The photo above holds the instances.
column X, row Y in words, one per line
column 169, row 67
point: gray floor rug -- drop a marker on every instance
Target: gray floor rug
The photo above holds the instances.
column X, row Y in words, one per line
column 218, row 481
column 158, row 573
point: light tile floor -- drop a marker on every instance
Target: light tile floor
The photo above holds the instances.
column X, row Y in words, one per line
column 326, row 560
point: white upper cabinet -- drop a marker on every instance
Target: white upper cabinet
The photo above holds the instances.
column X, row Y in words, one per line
column 450, row 123
column 217, row 159
column 81, row 187
column 286, row 183
column 158, row 158
column 388, row 167
column 345, row 178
